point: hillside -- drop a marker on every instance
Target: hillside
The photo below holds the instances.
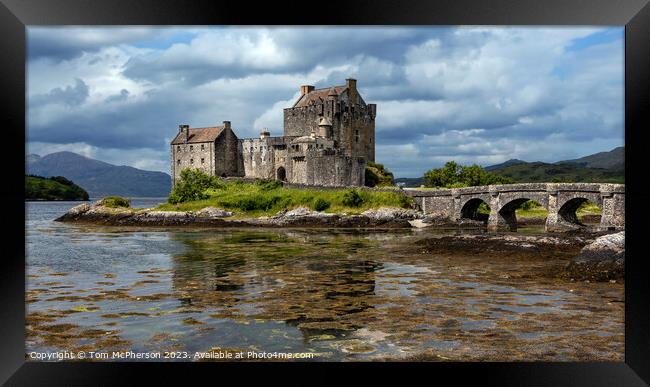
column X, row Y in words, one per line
column 613, row 160
column 53, row 188
column 99, row 178
column 563, row 172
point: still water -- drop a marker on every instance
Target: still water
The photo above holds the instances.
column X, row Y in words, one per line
column 335, row 294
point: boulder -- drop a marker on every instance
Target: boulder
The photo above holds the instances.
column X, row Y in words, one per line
column 601, row 260
column 212, row 212
column 300, row 211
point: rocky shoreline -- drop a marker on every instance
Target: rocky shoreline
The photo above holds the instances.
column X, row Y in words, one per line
column 594, row 256
column 215, row 217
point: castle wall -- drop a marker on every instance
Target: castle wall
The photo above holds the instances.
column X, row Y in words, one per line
column 261, row 158
column 226, row 155
column 327, row 168
column 356, row 131
column 353, row 125
column 196, row 155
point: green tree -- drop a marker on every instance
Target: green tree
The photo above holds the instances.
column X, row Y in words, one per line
column 453, row 175
column 192, row 186
column 378, row 176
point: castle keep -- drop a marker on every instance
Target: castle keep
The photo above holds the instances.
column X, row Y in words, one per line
column 329, row 136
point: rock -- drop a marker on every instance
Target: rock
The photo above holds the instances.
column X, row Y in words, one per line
column 601, row 260
column 419, row 223
column 78, row 210
column 300, row 211
column 165, row 214
column 391, row 213
column 212, row 212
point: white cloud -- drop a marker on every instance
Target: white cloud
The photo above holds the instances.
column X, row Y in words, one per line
column 473, row 94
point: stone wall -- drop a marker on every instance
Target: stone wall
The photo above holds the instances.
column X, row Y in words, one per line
column 197, row 156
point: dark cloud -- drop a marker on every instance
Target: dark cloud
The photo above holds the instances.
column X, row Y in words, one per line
column 69, row 95
column 479, row 95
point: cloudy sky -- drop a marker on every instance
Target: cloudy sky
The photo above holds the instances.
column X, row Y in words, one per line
column 471, row 94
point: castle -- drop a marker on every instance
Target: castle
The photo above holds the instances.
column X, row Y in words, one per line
column 329, row 136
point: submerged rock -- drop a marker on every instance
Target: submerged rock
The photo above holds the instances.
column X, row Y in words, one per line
column 601, row 260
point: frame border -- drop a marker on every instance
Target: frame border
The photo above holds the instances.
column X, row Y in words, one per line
column 17, row 15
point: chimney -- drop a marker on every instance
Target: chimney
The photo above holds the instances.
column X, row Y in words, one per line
column 305, row 89
column 226, row 124
column 351, row 83
column 184, row 128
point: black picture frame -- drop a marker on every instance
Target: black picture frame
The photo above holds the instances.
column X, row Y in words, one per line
column 16, row 15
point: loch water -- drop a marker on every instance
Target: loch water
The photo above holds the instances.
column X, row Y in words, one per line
column 333, row 293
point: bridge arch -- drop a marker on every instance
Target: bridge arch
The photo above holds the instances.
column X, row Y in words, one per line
column 506, row 215
column 567, row 210
column 470, row 209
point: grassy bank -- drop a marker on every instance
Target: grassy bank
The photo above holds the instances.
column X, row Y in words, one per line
column 266, row 198
column 537, row 211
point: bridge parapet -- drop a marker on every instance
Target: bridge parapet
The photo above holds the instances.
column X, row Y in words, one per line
column 560, row 199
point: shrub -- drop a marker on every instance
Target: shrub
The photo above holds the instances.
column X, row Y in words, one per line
column 321, row 204
column 378, row 176
column 115, row 202
column 529, row 204
column 267, row 185
column 252, row 202
column 192, row 186
column 352, row 198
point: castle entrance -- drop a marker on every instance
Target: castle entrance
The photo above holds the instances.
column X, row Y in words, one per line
column 281, row 174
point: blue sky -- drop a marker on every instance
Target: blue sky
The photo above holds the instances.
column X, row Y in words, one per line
column 470, row 94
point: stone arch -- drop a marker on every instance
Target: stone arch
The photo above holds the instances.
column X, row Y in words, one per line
column 506, row 214
column 281, row 174
column 567, row 211
column 469, row 209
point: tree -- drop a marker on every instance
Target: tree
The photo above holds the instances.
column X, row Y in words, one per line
column 192, row 186
column 453, row 175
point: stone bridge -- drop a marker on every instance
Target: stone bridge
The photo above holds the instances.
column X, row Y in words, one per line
column 560, row 199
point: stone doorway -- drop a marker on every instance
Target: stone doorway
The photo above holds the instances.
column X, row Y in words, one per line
column 281, row 174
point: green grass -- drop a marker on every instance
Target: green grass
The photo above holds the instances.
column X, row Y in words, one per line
column 115, row 202
column 535, row 210
column 267, row 198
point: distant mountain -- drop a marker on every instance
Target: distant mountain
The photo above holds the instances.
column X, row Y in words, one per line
column 504, row 164
column 613, row 160
column 99, row 178
column 603, row 167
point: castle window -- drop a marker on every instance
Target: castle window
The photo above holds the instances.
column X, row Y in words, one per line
column 356, row 135
column 202, row 161
column 191, row 161
column 202, row 147
column 191, row 148
column 178, row 162
column 178, row 148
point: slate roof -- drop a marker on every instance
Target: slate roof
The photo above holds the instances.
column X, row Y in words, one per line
column 208, row 134
column 319, row 95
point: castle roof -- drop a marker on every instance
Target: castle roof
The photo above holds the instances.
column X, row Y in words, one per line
column 208, row 134
column 319, row 95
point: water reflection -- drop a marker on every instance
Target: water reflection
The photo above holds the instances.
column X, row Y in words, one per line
column 342, row 295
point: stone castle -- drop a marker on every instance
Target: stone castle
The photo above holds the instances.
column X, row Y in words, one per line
column 329, row 136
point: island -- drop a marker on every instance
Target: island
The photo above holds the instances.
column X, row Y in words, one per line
column 52, row 188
